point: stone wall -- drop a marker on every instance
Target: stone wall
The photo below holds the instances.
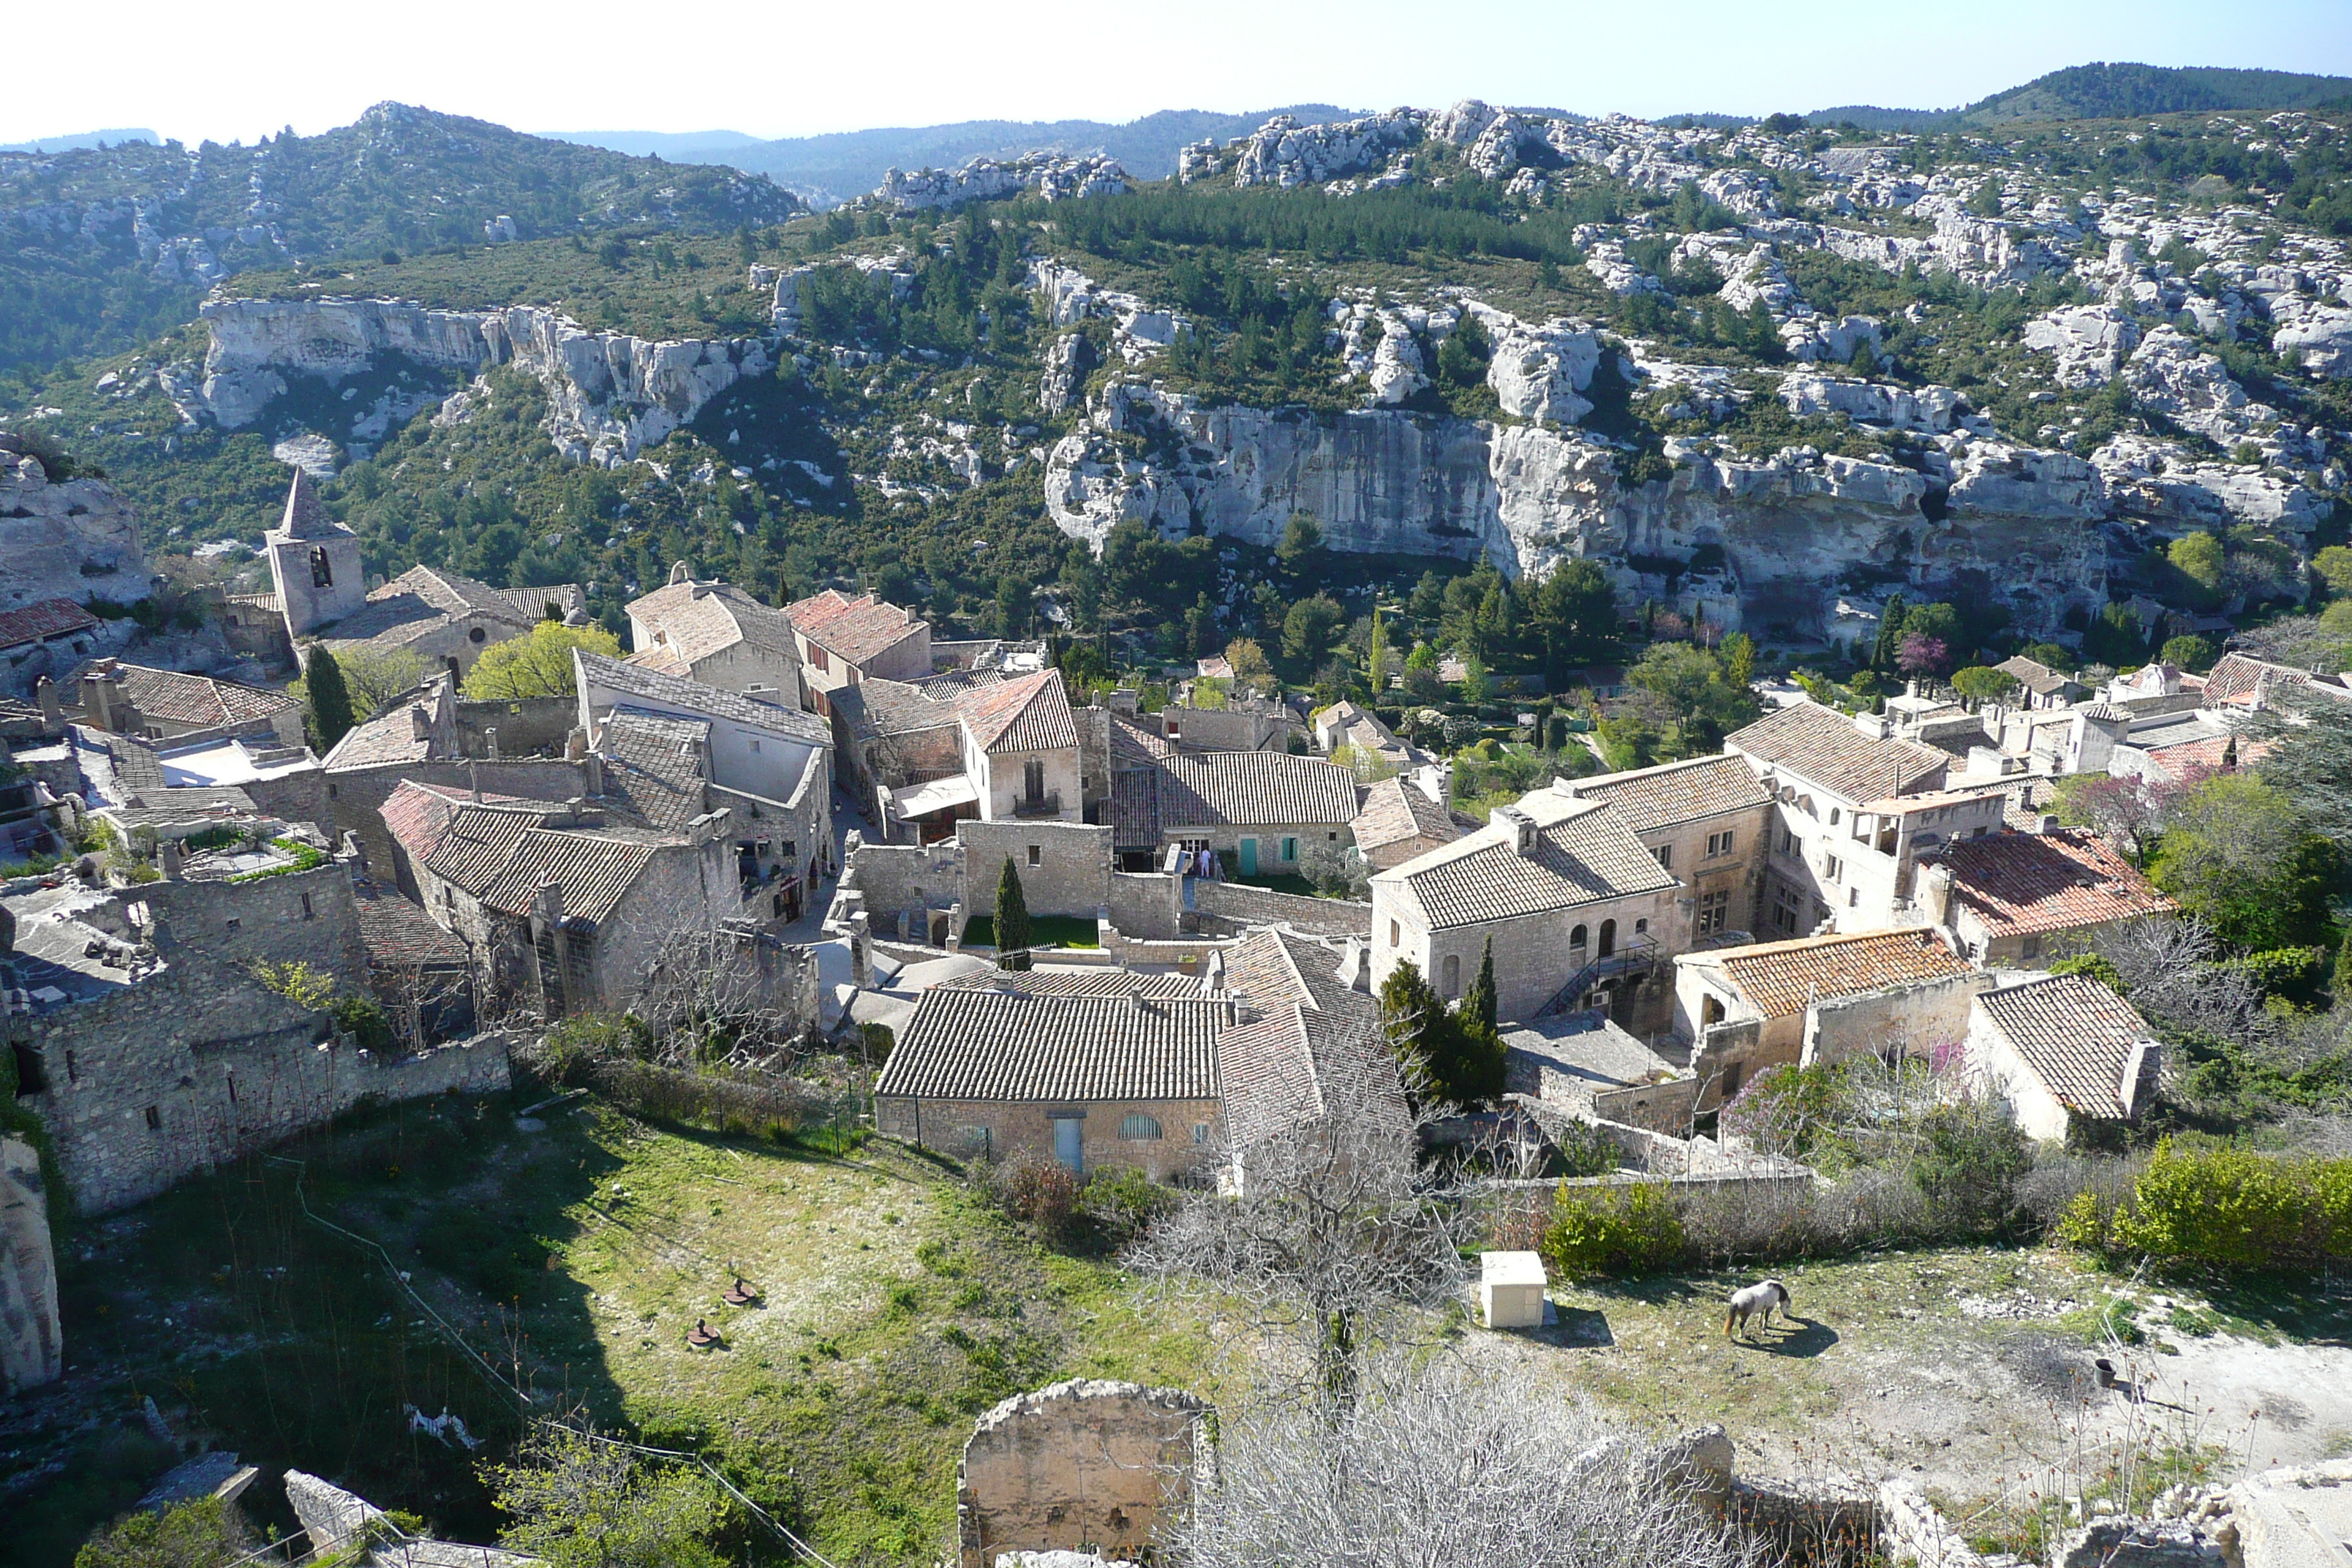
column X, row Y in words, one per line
column 32, row 1344
column 307, row 917
column 300, row 795
column 1070, row 874
column 1657, row 1107
column 534, row 726
column 1239, row 904
column 1000, row 1129
column 198, row 1064
column 899, row 881
column 1920, row 1020
column 1149, row 905
column 1086, row 1464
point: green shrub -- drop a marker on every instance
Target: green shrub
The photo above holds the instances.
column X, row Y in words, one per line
column 1124, row 1201
column 1633, row 1228
column 2234, row 1209
column 1043, row 1193
column 1971, row 1157
column 201, row 1533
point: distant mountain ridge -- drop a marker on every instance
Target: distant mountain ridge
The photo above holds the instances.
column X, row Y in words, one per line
column 849, row 164
column 2101, row 90
column 79, row 140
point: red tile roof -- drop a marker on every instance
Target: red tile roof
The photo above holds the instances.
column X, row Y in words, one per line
column 1396, row 812
column 43, row 618
column 1583, row 853
column 1028, row 713
column 2021, row 883
column 399, row 935
column 2078, row 1036
column 859, row 630
column 1782, row 978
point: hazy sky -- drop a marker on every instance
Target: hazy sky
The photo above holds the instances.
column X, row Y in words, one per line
column 790, row 68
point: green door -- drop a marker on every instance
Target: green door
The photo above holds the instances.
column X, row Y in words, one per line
column 1248, row 855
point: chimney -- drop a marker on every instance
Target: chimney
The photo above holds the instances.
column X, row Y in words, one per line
column 678, row 574
column 1936, row 895
column 592, row 767
column 1518, row 824
column 547, row 902
column 1212, row 975
column 98, row 697
column 575, row 745
column 1355, row 965
column 490, row 739
column 473, row 782
column 2138, row 1070
column 53, row 711
column 912, row 618
column 2045, row 823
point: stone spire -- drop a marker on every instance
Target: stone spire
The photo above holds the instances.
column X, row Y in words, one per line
column 306, row 515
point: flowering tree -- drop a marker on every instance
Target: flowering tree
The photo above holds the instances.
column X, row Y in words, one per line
column 1920, row 655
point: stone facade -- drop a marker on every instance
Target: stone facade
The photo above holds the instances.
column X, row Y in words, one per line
column 1236, row 906
column 999, row 1130
column 32, row 1343
column 1084, row 1465
column 357, row 795
column 198, row 1064
column 307, row 917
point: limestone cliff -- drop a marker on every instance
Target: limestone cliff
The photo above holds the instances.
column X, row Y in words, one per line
column 612, row 393
column 67, row 540
column 1792, row 531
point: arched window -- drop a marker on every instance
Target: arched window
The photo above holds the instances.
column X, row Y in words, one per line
column 1138, row 1127
column 1452, row 984
column 1577, row 938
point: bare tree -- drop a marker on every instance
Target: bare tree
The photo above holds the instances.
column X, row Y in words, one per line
column 1445, row 1468
column 1332, row 1231
column 719, row 997
column 415, row 999
column 2167, row 964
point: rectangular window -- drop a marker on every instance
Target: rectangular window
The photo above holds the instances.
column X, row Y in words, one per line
column 306, row 908
column 232, row 1087
column 1199, row 1132
column 73, row 1068
column 1037, row 855
column 154, row 1119
column 1392, row 933
column 755, row 747
column 1785, row 907
column 1788, row 841
column 2031, row 947
column 1713, row 910
column 1665, row 854
column 819, row 657
column 1719, row 844
column 1290, row 849
column 1832, row 867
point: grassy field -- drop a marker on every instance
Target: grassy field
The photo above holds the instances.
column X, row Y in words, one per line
column 893, row 1309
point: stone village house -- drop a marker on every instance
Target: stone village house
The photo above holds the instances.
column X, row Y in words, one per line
column 843, row 641
column 2061, row 1051
column 718, row 635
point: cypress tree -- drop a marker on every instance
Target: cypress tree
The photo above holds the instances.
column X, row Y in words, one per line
column 330, row 700
column 1011, row 920
column 1479, row 1004
column 1890, row 636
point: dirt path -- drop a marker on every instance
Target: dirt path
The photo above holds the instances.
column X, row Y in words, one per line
column 1965, row 1367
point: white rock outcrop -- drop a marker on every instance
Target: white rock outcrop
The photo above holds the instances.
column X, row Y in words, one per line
column 611, row 393
column 1054, row 176
column 2090, row 342
column 1286, row 153
column 1540, row 372
column 2018, row 526
column 1928, row 408
column 2172, row 374
column 67, row 540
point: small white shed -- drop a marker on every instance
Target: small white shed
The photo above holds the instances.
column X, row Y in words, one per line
column 1511, row 1289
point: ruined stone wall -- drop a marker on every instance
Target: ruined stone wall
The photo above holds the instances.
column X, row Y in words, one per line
column 534, row 726
column 309, row 917
column 32, row 1343
column 1001, row 1129
column 1239, row 904
column 297, row 796
column 1087, row 1463
column 199, row 1064
column 1919, row 1020
column 1146, row 905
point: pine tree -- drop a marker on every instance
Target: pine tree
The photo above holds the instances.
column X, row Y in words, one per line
column 1890, row 636
column 1011, row 920
column 330, row 700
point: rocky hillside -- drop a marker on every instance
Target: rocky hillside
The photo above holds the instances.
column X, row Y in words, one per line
column 100, row 247
column 1763, row 375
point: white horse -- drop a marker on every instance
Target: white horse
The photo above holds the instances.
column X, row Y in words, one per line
column 1757, row 1302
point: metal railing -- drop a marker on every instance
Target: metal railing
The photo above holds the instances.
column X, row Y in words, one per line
column 1048, row 804
column 1639, row 954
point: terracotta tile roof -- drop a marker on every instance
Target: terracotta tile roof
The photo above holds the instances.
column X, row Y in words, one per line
column 1583, row 853
column 470, row 844
column 657, row 691
column 390, row 737
column 1821, row 746
column 694, row 620
column 2240, row 679
column 2019, row 883
column 859, row 630
column 399, row 935
column 197, row 700
column 1133, row 746
column 593, row 871
column 2034, row 675
column 1394, row 811
column 653, row 764
column 423, row 599
column 43, row 618
column 1135, row 808
column 995, row 1045
column 1281, row 1069
column 418, row 814
column 1785, row 977
column 1027, row 713
column 1675, row 792
column 2078, row 1036
column 1077, row 983
column 1253, row 789
column 1269, row 968
column 2211, row 752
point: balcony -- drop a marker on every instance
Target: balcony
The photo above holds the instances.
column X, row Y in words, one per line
column 1048, row 804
